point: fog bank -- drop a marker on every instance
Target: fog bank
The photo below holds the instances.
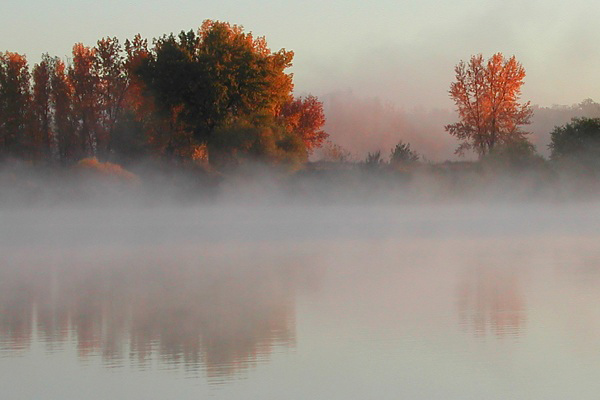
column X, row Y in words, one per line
column 362, row 124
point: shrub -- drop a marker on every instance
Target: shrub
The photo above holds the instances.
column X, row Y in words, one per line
column 403, row 155
column 107, row 169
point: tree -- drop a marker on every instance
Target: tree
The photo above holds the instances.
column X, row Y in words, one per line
column 487, row 95
column 15, row 102
column 41, row 107
column 578, row 141
column 113, row 84
column 139, row 127
column 305, row 117
column 246, row 141
column 61, row 97
column 190, row 95
column 209, row 80
column 83, row 76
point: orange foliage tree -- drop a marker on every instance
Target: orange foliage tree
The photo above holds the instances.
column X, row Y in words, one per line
column 217, row 90
column 487, row 95
column 225, row 89
column 15, row 100
column 305, row 117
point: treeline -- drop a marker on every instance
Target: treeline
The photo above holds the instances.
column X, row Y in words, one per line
column 217, row 94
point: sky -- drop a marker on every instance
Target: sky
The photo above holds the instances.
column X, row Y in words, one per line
column 399, row 52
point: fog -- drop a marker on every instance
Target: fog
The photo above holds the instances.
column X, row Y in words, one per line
column 444, row 278
column 362, row 124
column 260, row 289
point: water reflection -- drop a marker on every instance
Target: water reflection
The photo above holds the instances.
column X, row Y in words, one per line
column 491, row 301
column 196, row 308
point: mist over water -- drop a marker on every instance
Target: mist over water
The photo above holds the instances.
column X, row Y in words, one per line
column 258, row 288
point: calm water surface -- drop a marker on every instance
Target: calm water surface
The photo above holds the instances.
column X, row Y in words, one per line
column 462, row 302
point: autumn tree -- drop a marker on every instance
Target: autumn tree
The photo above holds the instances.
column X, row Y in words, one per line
column 217, row 78
column 217, row 90
column 486, row 94
column 113, row 82
column 305, row 117
column 42, row 107
column 83, row 77
column 61, row 97
column 15, row 100
column 138, row 128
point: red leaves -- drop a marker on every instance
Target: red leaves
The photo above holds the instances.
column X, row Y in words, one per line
column 486, row 95
column 305, row 116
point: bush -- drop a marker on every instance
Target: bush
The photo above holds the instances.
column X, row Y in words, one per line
column 373, row 160
column 403, row 155
column 515, row 154
column 577, row 142
column 107, row 170
column 331, row 152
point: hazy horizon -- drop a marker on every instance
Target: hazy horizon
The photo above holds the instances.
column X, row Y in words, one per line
column 403, row 53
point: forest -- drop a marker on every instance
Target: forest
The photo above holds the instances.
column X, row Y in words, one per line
column 219, row 99
column 217, row 91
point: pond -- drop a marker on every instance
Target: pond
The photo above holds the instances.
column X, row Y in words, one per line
column 301, row 302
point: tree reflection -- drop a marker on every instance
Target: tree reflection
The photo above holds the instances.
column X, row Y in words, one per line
column 222, row 316
column 491, row 301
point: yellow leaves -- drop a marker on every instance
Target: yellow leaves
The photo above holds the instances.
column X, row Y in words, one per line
column 107, row 170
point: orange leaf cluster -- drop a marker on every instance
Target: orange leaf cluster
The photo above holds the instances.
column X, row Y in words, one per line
column 487, row 95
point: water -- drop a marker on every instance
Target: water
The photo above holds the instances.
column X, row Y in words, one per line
column 388, row 302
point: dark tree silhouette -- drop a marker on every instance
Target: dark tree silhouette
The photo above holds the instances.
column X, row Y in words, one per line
column 403, row 155
column 15, row 99
column 214, row 79
column 577, row 141
column 83, row 76
column 42, row 111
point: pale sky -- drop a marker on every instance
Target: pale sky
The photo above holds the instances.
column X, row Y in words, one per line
column 403, row 52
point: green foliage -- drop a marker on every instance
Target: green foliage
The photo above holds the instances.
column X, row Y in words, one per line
column 128, row 140
column 174, row 100
column 403, row 155
column 244, row 141
column 577, row 141
column 204, row 81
